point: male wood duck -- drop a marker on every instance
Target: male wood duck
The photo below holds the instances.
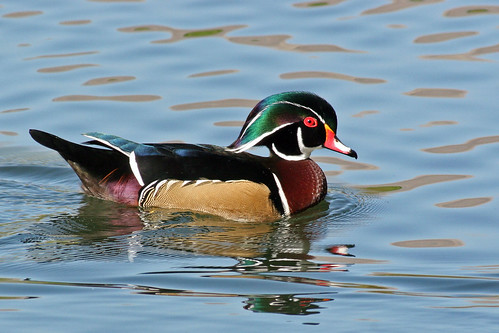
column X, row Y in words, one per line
column 224, row 181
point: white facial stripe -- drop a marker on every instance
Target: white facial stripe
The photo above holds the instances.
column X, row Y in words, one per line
column 254, row 141
column 135, row 168
column 254, row 119
column 284, row 200
column 302, row 106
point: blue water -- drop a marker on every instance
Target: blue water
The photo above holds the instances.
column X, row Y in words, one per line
column 415, row 87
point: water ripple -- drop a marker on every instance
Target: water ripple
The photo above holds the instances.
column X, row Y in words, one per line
column 426, row 243
column 439, row 123
column 108, row 80
column 117, row 1
column 472, row 10
column 181, row 34
column 464, row 203
column 443, row 37
column 64, row 68
column 75, row 22
column 330, row 75
column 437, row 92
column 365, row 113
column 63, row 55
column 398, row 5
column 229, row 123
column 23, row 14
column 345, row 164
column 467, row 56
column 313, row 4
column 279, row 42
column 215, row 73
column 118, row 98
column 222, row 103
column 410, row 184
column 273, row 41
column 463, row 147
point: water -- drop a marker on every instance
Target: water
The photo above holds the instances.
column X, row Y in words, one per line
column 414, row 84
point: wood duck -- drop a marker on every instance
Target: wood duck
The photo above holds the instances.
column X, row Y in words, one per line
column 224, row 181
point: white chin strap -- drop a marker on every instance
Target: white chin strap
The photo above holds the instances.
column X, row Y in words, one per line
column 305, row 151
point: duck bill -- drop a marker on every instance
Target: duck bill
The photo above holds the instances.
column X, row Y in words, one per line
column 332, row 142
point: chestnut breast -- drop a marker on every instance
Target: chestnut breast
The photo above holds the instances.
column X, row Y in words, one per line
column 303, row 183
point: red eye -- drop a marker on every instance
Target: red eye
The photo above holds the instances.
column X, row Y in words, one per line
column 310, row 122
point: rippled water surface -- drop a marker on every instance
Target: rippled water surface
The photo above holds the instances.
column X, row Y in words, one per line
column 407, row 239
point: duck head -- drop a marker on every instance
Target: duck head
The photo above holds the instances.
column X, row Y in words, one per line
column 291, row 125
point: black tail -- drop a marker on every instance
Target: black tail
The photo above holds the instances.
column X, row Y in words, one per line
column 99, row 160
column 94, row 166
column 68, row 150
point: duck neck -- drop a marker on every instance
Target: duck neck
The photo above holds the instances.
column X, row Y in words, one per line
column 303, row 182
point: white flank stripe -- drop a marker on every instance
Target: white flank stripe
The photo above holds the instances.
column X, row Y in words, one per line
column 201, row 181
column 284, row 201
column 158, row 185
column 170, row 183
column 150, row 185
column 135, row 168
column 144, row 190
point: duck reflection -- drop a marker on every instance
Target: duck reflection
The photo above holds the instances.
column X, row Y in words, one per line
column 110, row 226
column 103, row 230
column 290, row 304
column 203, row 234
column 285, row 304
column 100, row 230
